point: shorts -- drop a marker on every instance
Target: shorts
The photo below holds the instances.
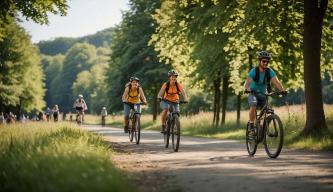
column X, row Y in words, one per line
column 256, row 100
column 166, row 104
column 127, row 109
column 79, row 108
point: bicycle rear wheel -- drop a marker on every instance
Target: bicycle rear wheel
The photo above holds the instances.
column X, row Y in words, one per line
column 167, row 134
column 273, row 136
column 251, row 141
column 175, row 133
column 131, row 131
column 137, row 130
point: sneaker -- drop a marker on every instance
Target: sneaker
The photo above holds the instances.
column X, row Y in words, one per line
column 125, row 129
column 162, row 128
column 251, row 131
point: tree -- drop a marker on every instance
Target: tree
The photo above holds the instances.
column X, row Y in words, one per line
column 314, row 12
column 19, row 59
column 132, row 56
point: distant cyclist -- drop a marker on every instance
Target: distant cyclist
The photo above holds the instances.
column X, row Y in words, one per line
column 80, row 106
column 133, row 94
column 258, row 83
column 104, row 113
column 169, row 95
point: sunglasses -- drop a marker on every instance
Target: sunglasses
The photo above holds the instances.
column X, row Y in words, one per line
column 265, row 61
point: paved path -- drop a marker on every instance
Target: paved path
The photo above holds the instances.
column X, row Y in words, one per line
column 207, row 165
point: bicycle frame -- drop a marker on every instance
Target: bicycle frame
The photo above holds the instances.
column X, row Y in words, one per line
column 264, row 112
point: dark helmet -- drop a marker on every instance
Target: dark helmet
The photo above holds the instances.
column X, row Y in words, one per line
column 134, row 78
column 172, row 73
column 264, row 54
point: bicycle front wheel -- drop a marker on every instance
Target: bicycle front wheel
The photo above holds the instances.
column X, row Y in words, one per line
column 175, row 133
column 130, row 131
column 137, row 130
column 273, row 136
column 167, row 134
column 251, row 141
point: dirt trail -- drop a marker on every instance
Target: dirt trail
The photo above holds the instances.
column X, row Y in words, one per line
column 216, row 165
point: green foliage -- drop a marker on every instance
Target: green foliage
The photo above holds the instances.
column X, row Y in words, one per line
column 35, row 10
column 61, row 45
column 131, row 54
column 21, row 74
column 56, row 157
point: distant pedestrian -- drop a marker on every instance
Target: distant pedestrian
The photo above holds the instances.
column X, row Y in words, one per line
column 2, row 118
column 55, row 112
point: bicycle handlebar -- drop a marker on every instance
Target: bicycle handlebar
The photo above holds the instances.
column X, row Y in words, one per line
column 128, row 103
column 179, row 102
column 283, row 93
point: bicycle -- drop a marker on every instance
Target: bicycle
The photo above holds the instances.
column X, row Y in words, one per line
column 103, row 120
column 79, row 117
column 134, row 130
column 268, row 129
column 172, row 126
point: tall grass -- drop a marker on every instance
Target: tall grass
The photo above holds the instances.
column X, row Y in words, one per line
column 55, row 157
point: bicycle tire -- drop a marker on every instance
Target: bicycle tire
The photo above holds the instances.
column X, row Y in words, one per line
column 278, row 134
column 137, row 130
column 130, row 130
column 251, row 142
column 175, row 133
column 167, row 134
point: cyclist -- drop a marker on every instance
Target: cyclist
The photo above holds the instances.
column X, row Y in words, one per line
column 104, row 113
column 80, row 106
column 133, row 94
column 258, row 83
column 169, row 93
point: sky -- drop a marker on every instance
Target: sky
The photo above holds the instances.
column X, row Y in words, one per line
column 83, row 17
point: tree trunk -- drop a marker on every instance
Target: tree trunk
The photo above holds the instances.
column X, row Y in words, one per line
column 238, row 108
column 217, row 100
column 218, row 103
column 224, row 98
column 250, row 60
column 313, row 22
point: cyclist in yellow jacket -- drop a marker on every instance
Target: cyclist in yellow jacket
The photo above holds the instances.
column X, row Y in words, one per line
column 133, row 94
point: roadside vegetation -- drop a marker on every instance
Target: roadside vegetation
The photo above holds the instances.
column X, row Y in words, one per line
column 56, row 157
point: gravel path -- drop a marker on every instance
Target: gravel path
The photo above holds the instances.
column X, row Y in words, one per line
column 215, row 165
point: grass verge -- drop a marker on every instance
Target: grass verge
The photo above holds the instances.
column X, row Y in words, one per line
column 55, row 157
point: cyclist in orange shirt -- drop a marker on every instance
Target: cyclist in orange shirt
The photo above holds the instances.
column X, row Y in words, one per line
column 169, row 96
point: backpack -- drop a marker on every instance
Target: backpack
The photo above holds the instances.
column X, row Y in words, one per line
column 129, row 85
column 168, row 87
column 267, row 78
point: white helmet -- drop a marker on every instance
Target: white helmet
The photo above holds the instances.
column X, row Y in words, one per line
column 80, row 96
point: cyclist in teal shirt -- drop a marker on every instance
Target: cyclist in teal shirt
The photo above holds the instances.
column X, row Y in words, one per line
column 258, row 83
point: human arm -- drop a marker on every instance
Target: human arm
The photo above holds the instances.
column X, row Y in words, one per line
column 277, row 83
column 142, row 96
column 125, row 94
column 161, row 92
column 182, row 91
column 247, row 84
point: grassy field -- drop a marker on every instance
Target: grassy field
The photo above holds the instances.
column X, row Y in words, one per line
column 55, row 157
column 293, row 118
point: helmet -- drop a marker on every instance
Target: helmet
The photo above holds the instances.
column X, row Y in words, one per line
column 134, row 78
column 172, row 73
column 80, row 96
column 264, row 54
column 103, row 108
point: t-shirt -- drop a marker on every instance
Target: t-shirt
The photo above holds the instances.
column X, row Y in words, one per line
column 260, row 86
column 173, row 93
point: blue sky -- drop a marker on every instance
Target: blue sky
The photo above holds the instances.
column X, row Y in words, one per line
column 83, row 17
